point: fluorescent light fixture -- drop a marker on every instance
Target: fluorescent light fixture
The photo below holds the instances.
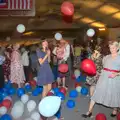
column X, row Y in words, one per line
column 97, row 24
column 86, row 20
column 101, row 29
column 116, row 16
column 107, row 9
column 28, row 33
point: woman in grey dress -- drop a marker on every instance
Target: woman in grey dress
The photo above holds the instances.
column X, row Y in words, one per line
column 107, row 90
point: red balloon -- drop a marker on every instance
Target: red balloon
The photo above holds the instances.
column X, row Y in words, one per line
column 100, row 116
column 67, row 8
column 118, row 116
column 77, row 84
column 32, row 83
column 63, row 90
column 73, row 77
column 88, row 66
column 63, row 68
column 50, row 94
column 7, row 103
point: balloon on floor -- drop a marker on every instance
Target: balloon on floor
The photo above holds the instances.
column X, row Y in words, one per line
column 70, row 103
column 49, row 106
column 100, row 116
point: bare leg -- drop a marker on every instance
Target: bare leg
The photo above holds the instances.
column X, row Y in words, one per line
column 115, row 110
column 92, row 89
column 19, row 85
column 44, row 93
column 49, row 87
column 63, row 81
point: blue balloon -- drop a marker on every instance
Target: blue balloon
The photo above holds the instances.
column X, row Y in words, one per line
column 6, row 117
column 20, row 92
column 61, row 95
column 1, row 99
column 58, row 114
column 39, row 89
column 11, row 91
column 73, row 94
column 7, row 85
column 70, row 104
column 4, row 94
column 28, row 87
column 56, row 90
column 78, row 79
column 84, row 91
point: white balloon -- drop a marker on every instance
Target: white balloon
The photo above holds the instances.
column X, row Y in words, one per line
column 49, row 106
column 90, row 32
column 8, row 98
column 17, row 110
column 25, row 98
column 58, row 36
column 35, row 116
column 78, row 88
column 21, row 28
column 3, row 110
column 31, row 105
column 77, row 73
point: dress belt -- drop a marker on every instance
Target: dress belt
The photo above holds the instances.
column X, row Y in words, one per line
column 107, row 69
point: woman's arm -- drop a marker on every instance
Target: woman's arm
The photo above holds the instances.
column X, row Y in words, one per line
column 41, row 60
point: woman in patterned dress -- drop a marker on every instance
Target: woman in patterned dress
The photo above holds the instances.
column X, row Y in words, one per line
column 16, row 71
column 6, row 65
column 107, row 91
column 97, row 58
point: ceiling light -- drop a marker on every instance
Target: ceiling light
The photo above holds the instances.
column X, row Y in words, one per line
column 97, row 24
column 116, row 16
column 28, row 33
column 101, row 29
column 107, row 9
column 87, row 20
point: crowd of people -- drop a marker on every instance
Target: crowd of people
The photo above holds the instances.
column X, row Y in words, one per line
column 18, row 62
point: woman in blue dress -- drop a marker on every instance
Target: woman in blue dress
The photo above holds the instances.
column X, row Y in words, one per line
column 45, row 76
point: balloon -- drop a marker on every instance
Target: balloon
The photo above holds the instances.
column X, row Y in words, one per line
column 63, row 90
column 118, row 116
column 73, row 76
column 31, row 105
column 61, row 95
column 49, row 106
column 35, row 116
column 56, row 90
column 21, row 28
column 8, row 98
column 63, row 68
column 17, row 110
column 78, row 89
column 53, row 91
column 77, row 73
column 88, row 66
column 67, row 8
column 33, row 83
column 35, row 78
column 70, row 104
column 3, row 110
column 6, row 117
column 73, row 94
column 24, row 98
column 37, row 91
column 11, row 91
column 20, row 92
column 100, row 116
column 78, row 79
column 28, row 87
column 90, row 33
column 77, row 84
column 7, row 85
column 50, row 94
column 84, row 91
column 58, row 36
column 7, row 103
column 4, row 94
column 58, row 114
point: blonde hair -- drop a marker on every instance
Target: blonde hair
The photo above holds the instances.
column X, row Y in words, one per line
column 115, row 43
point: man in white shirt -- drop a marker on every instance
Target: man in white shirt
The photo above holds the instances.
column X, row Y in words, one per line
column 25, row 62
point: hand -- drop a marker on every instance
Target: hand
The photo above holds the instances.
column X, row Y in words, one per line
column 113, row 75
column 48, row 52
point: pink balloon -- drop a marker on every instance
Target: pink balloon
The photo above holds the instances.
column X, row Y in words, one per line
column 63, row 68
column 67, row 8
column 88, row 66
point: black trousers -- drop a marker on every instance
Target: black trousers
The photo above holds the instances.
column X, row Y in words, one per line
column 27, row 72
column 2, row 81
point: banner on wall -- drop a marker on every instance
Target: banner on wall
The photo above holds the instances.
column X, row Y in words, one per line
column 17, row 7
column 114, row 33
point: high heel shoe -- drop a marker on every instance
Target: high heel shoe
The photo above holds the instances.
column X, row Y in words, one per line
column 86, row 115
